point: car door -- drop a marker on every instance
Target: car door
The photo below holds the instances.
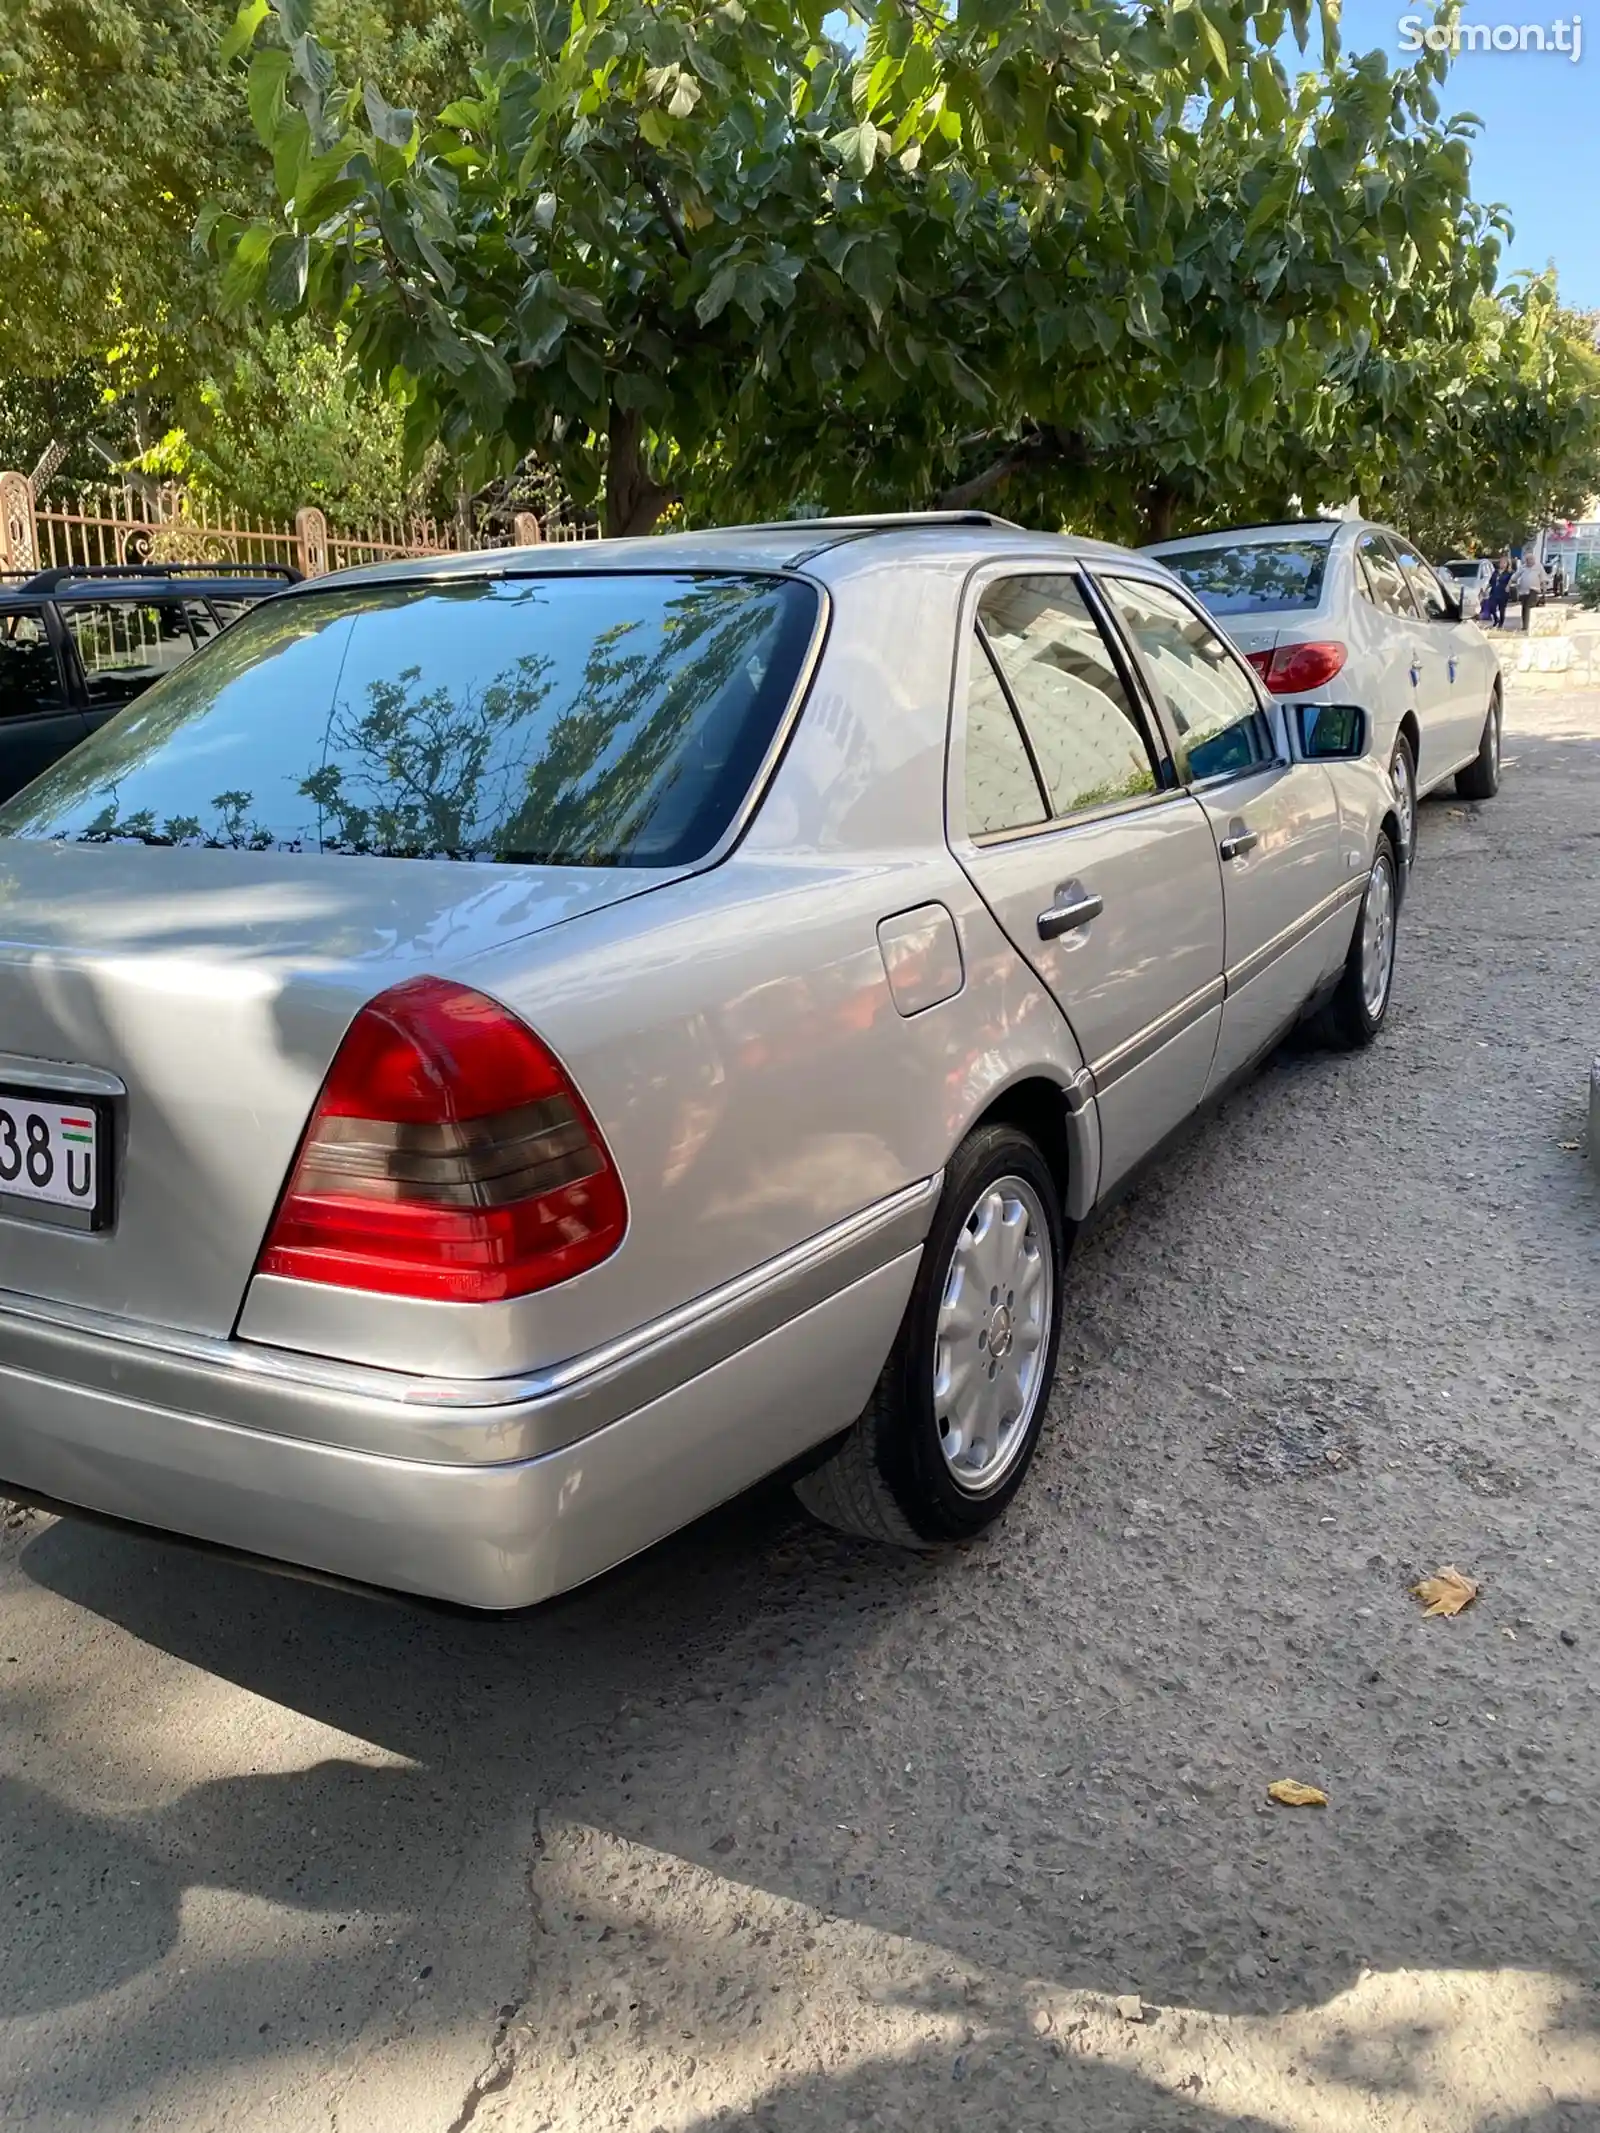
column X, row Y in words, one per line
column 1393, row 641
column 1275, row 820
column 1431, row 668
column 1065, row 814
column 1453, row 648
column 38, row 720
column 123, row 646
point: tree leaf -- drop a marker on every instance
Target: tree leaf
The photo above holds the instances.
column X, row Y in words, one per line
column 269, row 72
column 1290, row 1792
column 391, row 125
column 1447, row 1592
column 241, row 36
column 286, row 272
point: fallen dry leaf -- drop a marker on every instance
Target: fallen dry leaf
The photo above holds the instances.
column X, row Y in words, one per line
column 1569, row 1147
column 1289, row 1792
column 1446, row 1592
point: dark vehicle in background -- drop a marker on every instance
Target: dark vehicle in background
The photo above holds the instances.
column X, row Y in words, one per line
column 76, row 645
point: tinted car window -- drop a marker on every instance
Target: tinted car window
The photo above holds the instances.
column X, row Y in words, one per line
column 1002, row 791
column 1220, row 727
column 1252, row 577
column 571, row 720
column 1085, row 734
column 30, row 679
column 1425, row 587
column 1384, row 582
column 126, row 645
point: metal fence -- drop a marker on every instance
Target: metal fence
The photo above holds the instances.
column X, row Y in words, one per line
column 123, row 525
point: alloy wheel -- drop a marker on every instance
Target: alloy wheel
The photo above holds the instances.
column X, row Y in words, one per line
column 1377, row 936
column 991, row 1334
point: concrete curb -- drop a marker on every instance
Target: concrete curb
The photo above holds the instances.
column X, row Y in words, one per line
column 1564, row 662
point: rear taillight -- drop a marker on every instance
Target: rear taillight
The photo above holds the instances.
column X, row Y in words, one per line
column 449, row 1156
column 1294, row 668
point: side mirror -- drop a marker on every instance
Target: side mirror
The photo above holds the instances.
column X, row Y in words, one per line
column 1454, row 608
column 1331, row 733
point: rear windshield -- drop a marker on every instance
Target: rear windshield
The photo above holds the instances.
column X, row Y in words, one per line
column 590, row 719
column 1252, row 577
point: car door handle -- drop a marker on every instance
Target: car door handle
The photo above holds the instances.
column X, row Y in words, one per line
column 1238, row 842
column 1074, row 908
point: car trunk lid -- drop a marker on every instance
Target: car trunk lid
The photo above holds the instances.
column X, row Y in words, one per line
column 214, row 987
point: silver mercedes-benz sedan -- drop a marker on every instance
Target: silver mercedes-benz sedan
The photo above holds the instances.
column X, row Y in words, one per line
column 497, row 1054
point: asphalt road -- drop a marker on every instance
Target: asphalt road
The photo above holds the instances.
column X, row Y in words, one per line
column 770, row 1830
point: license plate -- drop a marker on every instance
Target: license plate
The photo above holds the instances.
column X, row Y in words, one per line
column 54, row 1158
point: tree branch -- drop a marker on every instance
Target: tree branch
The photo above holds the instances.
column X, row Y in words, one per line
column 1041, row 448
column 664, row 208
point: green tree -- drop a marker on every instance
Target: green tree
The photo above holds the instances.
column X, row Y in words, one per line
column 664, row 236
column 1506, row 431
column 292, row 423
column 118, row 119
column 1325, row 230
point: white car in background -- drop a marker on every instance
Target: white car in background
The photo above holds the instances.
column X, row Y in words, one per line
column 1344, row 610
column 1470, row 576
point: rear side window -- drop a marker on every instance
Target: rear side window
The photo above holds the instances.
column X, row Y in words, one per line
column 1425, row 587
column 1384, row 583
column 1002, row 790
column 1085, row 734
column 1252, row 577
column 594, row 719
column 125, row 646
column 1211, row 699
column 30, row 679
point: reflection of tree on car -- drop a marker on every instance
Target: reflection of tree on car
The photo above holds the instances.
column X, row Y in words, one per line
column 569, row 748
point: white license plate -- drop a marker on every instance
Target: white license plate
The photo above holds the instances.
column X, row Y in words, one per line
column 51, row 1154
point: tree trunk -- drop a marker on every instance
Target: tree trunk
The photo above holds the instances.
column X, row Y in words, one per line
column 1160, row 510
column 633, row 500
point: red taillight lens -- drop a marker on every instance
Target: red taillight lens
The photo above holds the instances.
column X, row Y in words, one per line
column 449, row 1156
column 1294, row 668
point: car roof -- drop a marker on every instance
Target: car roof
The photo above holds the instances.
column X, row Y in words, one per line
column 940, row 537
column 135, row 581
column 1293, row 529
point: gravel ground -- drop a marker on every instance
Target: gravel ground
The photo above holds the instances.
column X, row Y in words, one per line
column 770, row 1830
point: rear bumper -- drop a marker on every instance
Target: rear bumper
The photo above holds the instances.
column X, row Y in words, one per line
column 183, row 1450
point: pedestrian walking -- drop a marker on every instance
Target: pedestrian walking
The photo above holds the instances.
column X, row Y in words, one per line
column 1528, row 585
column 1500, row 590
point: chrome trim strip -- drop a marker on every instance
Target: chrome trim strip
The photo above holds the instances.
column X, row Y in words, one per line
column 1140, row 804
column 484, row 1420
column 1145, row 1043
column 26, row 1072
column 1259, row 959
column 1079, row 1091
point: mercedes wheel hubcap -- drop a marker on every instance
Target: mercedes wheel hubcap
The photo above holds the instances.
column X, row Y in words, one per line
column 991, row 1335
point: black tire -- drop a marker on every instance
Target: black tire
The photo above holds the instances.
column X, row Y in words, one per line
column 1351, row 1018
column 1481, row 778
column 890, row 1478
column 1403, row 770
